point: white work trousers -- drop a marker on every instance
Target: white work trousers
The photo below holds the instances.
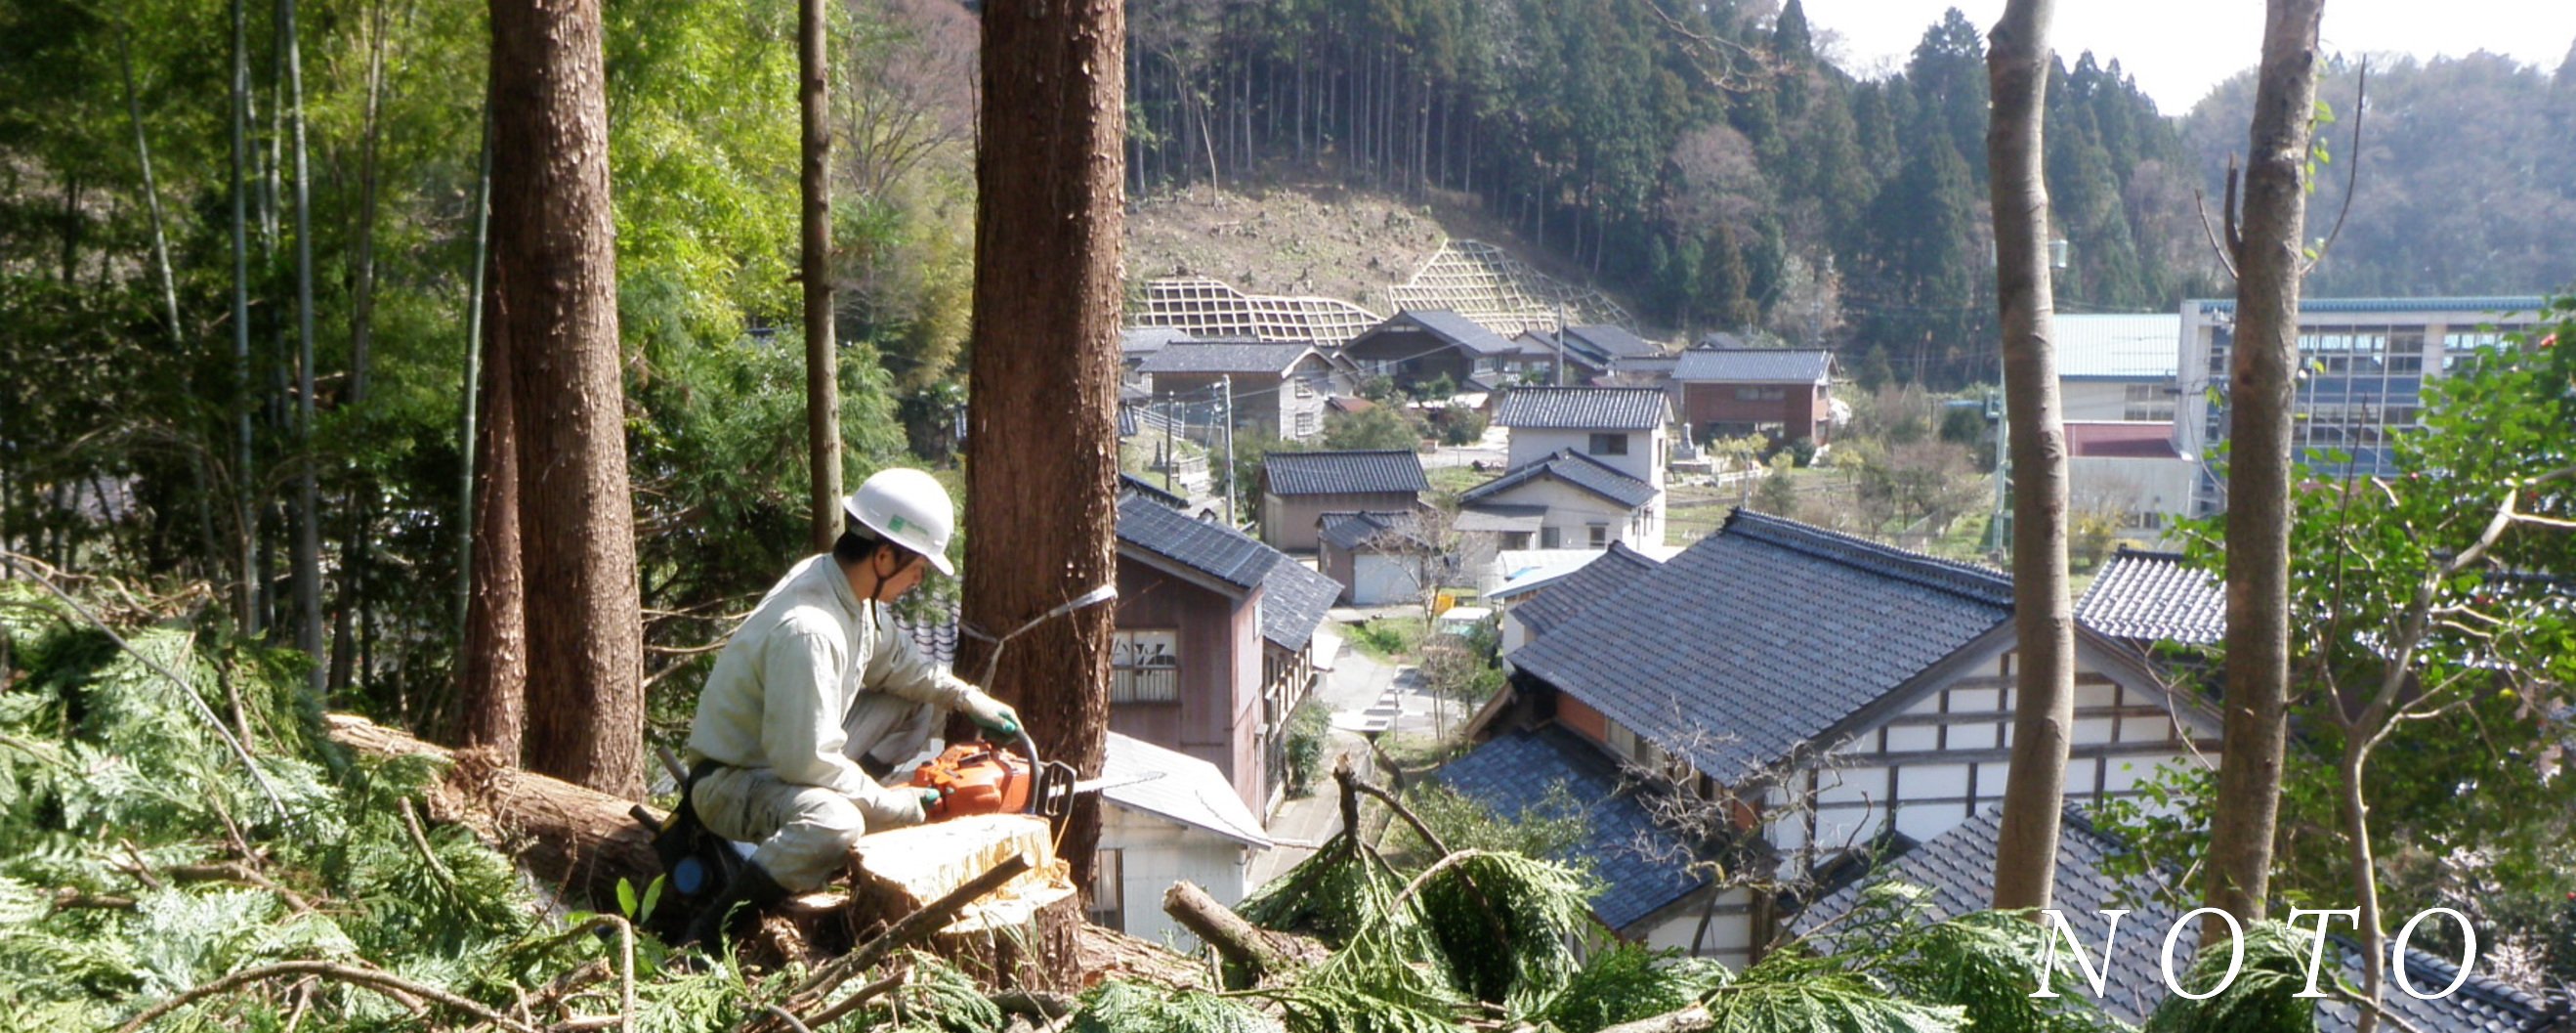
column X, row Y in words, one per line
column 804, row 832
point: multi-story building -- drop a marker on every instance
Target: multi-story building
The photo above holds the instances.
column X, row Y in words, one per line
column 2363, row 365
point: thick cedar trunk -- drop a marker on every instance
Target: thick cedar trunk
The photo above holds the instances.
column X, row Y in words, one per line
column 2043, row 623
column 2260, row 392
column 822, row 383
column 555, row 277
column 495, row 666
column 1040, row 511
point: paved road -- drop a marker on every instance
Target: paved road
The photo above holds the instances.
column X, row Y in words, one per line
column 1365, row 693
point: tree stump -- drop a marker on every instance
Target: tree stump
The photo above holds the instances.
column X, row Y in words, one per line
column 995, row 940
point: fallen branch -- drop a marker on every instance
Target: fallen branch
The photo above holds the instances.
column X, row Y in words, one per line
column 856, row 1000
column 1257, row 952
column 906, row 931
column 381, row 982
column 1687, row 1020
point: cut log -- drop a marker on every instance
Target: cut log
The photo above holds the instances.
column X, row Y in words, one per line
column 1253, row 955
column 580, row 840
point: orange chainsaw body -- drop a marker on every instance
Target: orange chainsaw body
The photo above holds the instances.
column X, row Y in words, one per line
column 976, row 778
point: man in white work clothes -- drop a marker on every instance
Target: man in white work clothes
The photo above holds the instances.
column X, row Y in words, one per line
column 818, row 694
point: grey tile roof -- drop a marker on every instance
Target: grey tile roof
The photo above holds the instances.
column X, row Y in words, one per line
column 1294, row 600
column 1584, row 408
column 1130, row 484
column 1455, row 329
column 1140, row 341
column 933, row 630
column 1753, row 366
column 1614, row 340
column 1764, row 636
column 1563, row 598
column 2154, row 597
column 1224, row 357
column 1187, row 790
column 1344, row 473
column 1957, row 867
column 1219, row 552
column 1573, row 468
column 1349, row 530
column 1635, row 859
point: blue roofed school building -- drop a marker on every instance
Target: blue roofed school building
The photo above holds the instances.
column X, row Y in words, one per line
column 2365, row 361
column 1832, row 698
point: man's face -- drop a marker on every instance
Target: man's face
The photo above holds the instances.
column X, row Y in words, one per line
column 895, row 575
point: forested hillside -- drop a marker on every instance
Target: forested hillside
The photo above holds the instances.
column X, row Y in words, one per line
column 1703, row 161
column 2467, row 175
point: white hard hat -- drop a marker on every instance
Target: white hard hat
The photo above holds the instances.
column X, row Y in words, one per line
column 908, row 508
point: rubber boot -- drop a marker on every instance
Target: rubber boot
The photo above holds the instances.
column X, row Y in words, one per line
column 752, row 890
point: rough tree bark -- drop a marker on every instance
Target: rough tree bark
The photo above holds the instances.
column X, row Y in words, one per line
column 2017, row 66
column 554, row 277
column 495, row 665
column 1040, row 509
column 822, row 378
column 2268, row 258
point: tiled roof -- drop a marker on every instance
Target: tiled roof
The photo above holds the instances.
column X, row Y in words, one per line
column 2117, row 346
column 1957, row 867
column 934, row 631
column 2119, row 439
column 1352, row 529
column 1139, row 341
column 1219, row 552
column 1615, row 340
column 1456, row 329
column 1573, row 468
column 1224, row 357
column 1187, row 790
column 2496, row 306
column 1567, row 597
column 1764, row 636
column 1635, row 859
column 2154, row 597
column 1754, row 366
column 1584, row 408
column 1294, row 600
column 1130, row 484
column 1344, row 473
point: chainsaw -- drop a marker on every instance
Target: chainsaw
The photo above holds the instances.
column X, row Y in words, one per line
column 980, row 777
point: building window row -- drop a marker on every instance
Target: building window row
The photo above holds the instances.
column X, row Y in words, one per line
column 1145, row 666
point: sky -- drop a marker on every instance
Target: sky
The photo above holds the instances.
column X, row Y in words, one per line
column 2179, row 49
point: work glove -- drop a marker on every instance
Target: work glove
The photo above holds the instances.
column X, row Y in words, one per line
column 894, row 807
column 992, row 715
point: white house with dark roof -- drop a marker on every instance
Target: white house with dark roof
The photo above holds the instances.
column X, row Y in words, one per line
column 1531, row 608
column 1781, row 392
column 1179, row 820
column 1834, row 696
column 1626, row 428
column 1298, row 488
column 1274, row 388
column 1580, row 501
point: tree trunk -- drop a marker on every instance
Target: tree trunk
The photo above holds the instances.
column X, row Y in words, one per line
column 246, row 509
column 822, row 368
column 495, row 665
column 308, row 497
column 362, row 291
column 151, row 187
column 1041, row 514
column 497, row 729
column 2260, row 392
column 555, row 281
column 2043, row 623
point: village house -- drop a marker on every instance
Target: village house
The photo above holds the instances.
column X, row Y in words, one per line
column 1275, row 389
column 1178, row 819
column 2118, row 366
column 1781, row 393
column 2129, row 472
column 1531, row 608
column 1590, row 354
column 1298, row 488
column 1623, row 427
column 1579, row 502
column 1418, row 346
column 1213, row 643
column 1830, row 698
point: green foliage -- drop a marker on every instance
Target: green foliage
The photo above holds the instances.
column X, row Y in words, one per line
column 1118, row 1006
column 1458, row 425
column 1389, row 638
column 1383, row 426
column 1310, row 729
column 2263, row 998
column 1546, row 827
column 1626, row 982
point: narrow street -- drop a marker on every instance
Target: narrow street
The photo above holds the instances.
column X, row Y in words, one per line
column 1367, row 695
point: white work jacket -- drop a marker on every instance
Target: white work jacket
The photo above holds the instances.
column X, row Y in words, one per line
column 812, row 665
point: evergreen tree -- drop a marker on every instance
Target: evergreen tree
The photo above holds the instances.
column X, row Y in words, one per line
column 1728, row 296
column 1921, row 296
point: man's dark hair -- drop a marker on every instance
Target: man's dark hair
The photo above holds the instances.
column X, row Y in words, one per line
column 857, row 543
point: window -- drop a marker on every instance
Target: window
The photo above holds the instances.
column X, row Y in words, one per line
column 1144, row 666
column 1608, row 445
column 2148, row 402
column 1600, row 536
column 1108, row 889
column 1305, row 387
column 1761, row 394
column 1549, row 537
column 1306, row 424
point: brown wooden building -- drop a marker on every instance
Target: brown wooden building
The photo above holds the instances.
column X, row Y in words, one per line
column 1727, row 392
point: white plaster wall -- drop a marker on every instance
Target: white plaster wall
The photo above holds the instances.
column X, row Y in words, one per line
column 1529, row 445
column 1382, row 580
column 1158, row 852
column 2095, row 399
column 1572, row 511
column 2133, row 486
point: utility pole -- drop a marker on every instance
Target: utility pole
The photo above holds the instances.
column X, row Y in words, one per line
column 1228, row 381
column 1171, row 456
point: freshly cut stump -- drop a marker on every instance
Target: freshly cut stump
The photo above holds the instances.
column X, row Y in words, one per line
column 996, row 939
